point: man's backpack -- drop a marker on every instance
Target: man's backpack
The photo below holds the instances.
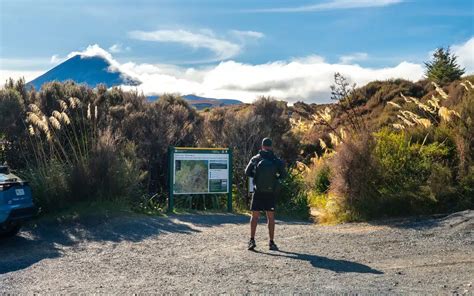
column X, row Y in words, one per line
column 265, row 175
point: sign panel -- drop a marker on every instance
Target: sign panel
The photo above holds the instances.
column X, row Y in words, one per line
column 200, row 173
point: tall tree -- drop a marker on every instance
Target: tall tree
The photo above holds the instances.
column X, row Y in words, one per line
column 443, row 67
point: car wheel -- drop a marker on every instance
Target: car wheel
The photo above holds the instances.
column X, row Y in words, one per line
column 9, row 230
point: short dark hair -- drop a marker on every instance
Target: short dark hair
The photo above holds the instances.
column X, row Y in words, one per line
column 267, row 142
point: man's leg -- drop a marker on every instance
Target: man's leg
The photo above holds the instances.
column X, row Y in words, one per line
column 271, row 224
column 253, row 229
column 253, row 223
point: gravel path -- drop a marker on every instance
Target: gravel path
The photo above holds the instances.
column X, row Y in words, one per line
column 206, row 254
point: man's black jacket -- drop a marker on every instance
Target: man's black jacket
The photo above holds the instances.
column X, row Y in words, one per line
column 267, row 154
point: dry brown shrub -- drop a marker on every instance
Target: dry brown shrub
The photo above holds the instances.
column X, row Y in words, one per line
column 353, row 176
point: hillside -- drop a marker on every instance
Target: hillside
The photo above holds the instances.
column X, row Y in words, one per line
column 201, row 103
column 372, row 103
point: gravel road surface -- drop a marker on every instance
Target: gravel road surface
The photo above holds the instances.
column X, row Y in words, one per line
column 206, row 253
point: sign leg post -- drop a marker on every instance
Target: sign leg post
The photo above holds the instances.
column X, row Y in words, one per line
column 170, row 179
column 229, row 194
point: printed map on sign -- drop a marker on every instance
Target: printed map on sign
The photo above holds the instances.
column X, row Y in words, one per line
column 196, row 173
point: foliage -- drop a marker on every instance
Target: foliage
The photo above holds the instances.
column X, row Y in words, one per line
column 292, row 200
column 408, row 171
column 354, row 174
column 388, row 148
column 443, row 68
column 422, row 168
column 243, row 130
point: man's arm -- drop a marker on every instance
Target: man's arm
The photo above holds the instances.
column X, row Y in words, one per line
column 250, row 169
column 281, row 170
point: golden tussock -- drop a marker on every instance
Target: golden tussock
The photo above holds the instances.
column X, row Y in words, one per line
column 334, row 139
column 89, row 111
column 323, row 144
column 343, row 133
column 63, row 105
column 434, row 102
column 55, row 122
column 35, row 109
column 74, row 102
column 405, row 121
column 447, row 114
column 65, row 118
column 440, row 91
column 31, row 130
column 398, row 126
column 324, row 115
column 394, row 104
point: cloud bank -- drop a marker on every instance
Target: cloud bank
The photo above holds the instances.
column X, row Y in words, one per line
column 465, row 54
column 307, row 78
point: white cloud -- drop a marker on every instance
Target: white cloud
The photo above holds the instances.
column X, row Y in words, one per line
column 358, row 56
column 117, row 48
column 14, row 74
column 307, row 79
column 222, row 48
column 465, row 54
column 332, row 5
column 92, row 51
column 55, row 59
column 247, row 34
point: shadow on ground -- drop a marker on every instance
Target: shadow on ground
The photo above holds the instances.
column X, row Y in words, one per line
column 429, row 222
column 338, row 266
column 45, row 239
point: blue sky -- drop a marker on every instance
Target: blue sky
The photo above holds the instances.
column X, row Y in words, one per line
column 180, row 36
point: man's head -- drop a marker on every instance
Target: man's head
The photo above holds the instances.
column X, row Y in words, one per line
column 267, row 144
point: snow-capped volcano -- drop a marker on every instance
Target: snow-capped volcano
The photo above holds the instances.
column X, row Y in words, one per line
column 90, row 70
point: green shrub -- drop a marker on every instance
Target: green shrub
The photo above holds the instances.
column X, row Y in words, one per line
column 292, row 200
column 409, row 173
column 50, row 185
column 466, row 191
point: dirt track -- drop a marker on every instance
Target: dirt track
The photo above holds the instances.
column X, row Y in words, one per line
column 206, row 253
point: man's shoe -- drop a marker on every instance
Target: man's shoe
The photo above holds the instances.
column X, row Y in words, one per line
column 272, row 246
column 252, row 245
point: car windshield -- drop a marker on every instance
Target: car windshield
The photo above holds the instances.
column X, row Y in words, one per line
column 4, row 170
column 3, row 178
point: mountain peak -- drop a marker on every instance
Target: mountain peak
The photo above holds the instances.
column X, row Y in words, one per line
column 90, row 70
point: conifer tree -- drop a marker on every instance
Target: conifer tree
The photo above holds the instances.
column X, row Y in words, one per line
column 443, row 67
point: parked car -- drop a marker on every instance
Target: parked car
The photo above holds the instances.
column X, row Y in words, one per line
column 16, row 203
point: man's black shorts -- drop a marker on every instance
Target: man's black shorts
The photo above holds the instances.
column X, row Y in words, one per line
column 263, row 201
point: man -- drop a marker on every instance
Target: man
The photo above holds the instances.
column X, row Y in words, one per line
column 267, row 171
